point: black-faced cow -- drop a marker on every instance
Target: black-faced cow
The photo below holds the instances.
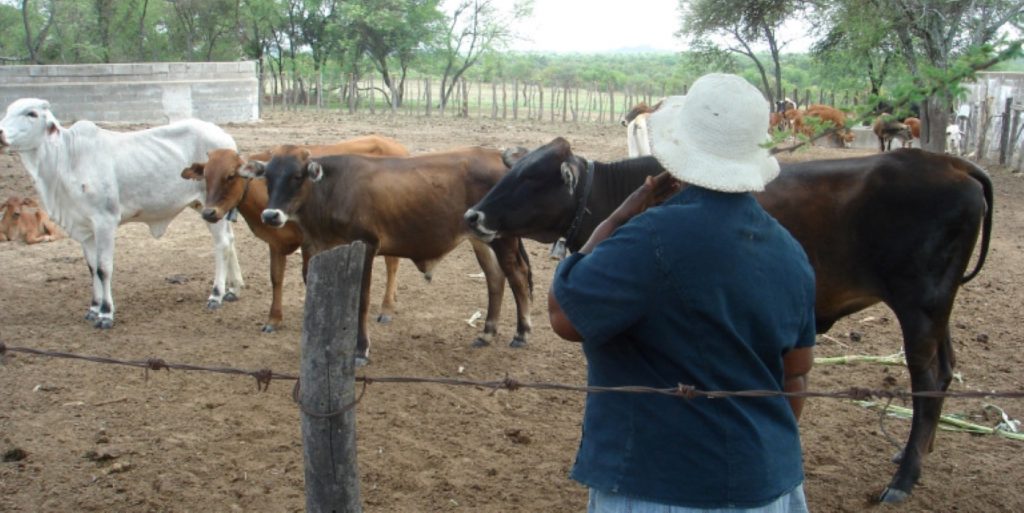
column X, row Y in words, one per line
column 897, row 227
column 404, row 207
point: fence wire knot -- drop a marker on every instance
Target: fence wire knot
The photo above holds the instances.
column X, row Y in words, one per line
column 686, row 391
column 510, row 384
column 861, row 394
column 263, row 378
column 3, row 348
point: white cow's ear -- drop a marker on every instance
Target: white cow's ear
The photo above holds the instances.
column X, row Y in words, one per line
column 568, row 176
column 252, row 169
column 52, row 125
column 315, row 171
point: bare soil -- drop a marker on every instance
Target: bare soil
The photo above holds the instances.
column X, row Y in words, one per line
column 79, row 436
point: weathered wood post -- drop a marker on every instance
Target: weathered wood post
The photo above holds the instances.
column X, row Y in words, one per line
column 327, row 373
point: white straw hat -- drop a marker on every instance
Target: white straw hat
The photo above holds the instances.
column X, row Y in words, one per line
column 711, row 137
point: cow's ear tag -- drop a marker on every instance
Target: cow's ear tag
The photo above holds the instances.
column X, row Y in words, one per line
column 315, row 170
column 568, row 176
column 558, row 249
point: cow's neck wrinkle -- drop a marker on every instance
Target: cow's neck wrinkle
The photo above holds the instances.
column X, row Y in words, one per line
column 613, row 182
column 43, row 164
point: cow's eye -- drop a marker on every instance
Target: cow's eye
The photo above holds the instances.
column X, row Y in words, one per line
column 33, row 114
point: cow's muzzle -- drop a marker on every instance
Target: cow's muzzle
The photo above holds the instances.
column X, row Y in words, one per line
column 475, row 221
column 274, row 217
column 210, row 215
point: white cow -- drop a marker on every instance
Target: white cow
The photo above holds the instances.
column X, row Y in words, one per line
column 953, row 139
column 635, row 121
column 91, row 180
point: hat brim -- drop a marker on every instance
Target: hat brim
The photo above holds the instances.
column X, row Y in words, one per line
column 719, row 167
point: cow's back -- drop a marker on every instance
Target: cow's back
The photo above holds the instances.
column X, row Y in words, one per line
column 416, row 203
column 860, row 219
column 142, row 169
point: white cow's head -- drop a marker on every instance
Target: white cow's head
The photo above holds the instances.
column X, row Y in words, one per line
column 953, row 136
column 27, row 123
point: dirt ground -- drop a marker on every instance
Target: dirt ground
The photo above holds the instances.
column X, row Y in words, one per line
column 81, row 436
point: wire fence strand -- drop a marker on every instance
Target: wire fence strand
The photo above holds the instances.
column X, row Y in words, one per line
column 264, row 376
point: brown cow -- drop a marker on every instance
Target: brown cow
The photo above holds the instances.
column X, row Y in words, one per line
column 914, row 124
column 896, row 227
column 405, row 207
column 887, row 128
column 831, row 118
column 226, row 191
column 22, row 219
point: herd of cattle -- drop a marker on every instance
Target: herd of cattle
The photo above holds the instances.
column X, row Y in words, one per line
column 897, row 227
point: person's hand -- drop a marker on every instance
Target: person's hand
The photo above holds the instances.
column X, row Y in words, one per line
column 654, row 191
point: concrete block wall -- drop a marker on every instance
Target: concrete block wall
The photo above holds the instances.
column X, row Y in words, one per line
column 150, row 92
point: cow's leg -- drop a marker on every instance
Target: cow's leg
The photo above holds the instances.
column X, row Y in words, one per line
column 362, row 336
column 515, row 264
column 104, row 234
column 235, row 281
column 223, row 242
column 277, row 265
column 89, row 250
column 929, row 360
column 495, row 289
column 387, row 305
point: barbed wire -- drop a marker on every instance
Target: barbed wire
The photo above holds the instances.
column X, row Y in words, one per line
column 264, row 376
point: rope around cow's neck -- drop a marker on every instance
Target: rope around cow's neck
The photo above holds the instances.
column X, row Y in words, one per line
column 559, row 250
column 233, row 213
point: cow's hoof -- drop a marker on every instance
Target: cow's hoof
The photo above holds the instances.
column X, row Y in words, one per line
column 268, row 328
column 91, row 316
column 893, row 496
column 383, row 319
column 362, row 361
column 213, row 304
column 231, row 297
column 517, row 342
column 479, row 342
column 104, row 324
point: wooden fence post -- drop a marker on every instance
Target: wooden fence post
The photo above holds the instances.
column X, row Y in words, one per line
column 327, row 375
column 1004, row 131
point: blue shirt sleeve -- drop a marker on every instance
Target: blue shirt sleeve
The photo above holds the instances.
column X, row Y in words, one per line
column 809, row 331
column 613, row 287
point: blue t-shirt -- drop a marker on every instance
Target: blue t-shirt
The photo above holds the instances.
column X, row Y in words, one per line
column 705, row 290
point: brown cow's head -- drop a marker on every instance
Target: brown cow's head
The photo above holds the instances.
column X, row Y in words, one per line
column 290, row 174
column 536, row 199
column 10, row 216
column 225, row 187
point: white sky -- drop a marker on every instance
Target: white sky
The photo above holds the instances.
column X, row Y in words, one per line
column 593, row 26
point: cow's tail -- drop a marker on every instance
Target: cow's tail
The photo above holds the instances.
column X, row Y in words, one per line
column 525, row 258
column 986, row 227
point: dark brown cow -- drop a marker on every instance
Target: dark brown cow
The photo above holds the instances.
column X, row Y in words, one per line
column 226, row 191
column 404, row 207
column 887, row 128
column 22, row 219
column 895, row 227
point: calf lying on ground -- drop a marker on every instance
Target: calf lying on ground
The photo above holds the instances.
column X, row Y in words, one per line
column 23, row 220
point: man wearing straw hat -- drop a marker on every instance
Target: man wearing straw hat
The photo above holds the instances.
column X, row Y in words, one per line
column 704, row 289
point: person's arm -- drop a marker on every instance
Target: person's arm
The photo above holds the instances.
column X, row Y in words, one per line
column 653, row 191
column 796, row 364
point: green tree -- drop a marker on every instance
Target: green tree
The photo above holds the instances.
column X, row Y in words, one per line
column 934, row 35
column 392, row 33
column 743, row 25
column 474, row 28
